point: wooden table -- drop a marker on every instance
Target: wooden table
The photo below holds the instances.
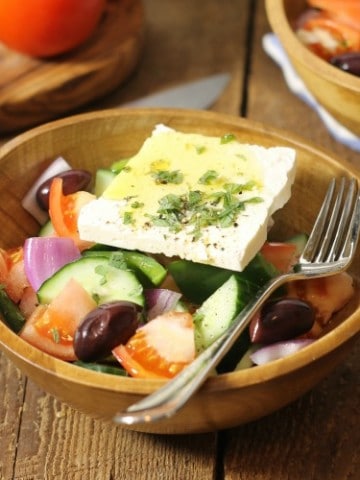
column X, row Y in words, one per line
column 317, row 437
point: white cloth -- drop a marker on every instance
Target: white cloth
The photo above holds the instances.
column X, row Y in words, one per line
column 274, row 49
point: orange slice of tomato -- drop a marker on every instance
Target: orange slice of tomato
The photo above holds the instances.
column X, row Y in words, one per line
column 64, row 211
column 51, row 328
column 159, row 349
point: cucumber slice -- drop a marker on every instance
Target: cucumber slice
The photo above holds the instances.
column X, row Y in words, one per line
column 102, row 368
column 46, row 230
column 10, row 312
column 103, row 178
column 103, row 281
column 299, row 241
column 198, row 281
column 218, row 311
column 148, row 270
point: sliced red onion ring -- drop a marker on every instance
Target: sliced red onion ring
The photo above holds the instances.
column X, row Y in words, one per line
column 278, row 350
column 43, row 256
column 29, row 202
column 160, row 300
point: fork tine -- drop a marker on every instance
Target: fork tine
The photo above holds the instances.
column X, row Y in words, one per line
column 317, row 232
column 331, row 225
column 345, row 225
column 353, row 233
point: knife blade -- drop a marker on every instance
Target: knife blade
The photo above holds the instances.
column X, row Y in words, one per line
column 199, row 94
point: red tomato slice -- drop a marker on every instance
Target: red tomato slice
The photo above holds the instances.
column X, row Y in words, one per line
column 51, row 328
column 64, row 211
column 161, row 348
column 346, row 38
column 344, row 11
column 281, row 255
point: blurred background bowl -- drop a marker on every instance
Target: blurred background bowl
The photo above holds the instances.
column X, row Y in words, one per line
column 336, row 90
column 97, row 139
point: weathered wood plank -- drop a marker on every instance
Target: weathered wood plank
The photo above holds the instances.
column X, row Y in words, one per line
column 11, row 404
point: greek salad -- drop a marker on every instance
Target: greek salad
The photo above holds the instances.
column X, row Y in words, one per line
column 127, row 312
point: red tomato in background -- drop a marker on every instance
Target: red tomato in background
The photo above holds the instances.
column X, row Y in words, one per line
column 43, row 28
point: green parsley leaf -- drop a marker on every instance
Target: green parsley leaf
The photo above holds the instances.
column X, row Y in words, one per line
column 117, row 260
column 208, row 177
column 55, row 334
column 128, row 218
column 164, row 177
column 227, row 138
column 200, row 149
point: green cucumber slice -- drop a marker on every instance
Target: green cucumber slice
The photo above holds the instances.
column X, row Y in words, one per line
column 148, row 270
column 218, row 311
column 10, row 312
column 103, row 178
column 103, row 281
column 198, row 281
column 46, row 230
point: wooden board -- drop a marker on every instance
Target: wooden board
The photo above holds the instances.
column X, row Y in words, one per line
column 33, row 91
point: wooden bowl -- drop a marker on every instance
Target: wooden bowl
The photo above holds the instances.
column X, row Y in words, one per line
column 337, row 91
column 97, row 139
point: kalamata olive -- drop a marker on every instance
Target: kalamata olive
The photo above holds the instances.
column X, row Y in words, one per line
column 104, row 328
column 73, row 181
column 349, row 62
column 280, row 320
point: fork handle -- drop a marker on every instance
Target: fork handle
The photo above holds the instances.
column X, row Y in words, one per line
column 175, row 393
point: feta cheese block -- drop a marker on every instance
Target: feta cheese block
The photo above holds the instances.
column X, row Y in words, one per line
column 200, row 198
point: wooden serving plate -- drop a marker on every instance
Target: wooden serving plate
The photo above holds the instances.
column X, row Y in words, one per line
column 33, row 91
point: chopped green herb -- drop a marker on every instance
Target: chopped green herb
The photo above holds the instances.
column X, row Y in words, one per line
column 137, row 204
column 166, row 176
column 102, row 271
column 119, row 165
column 55, row 334
column 208, row 177
column 117, row 260
column 128, row 218
column 227, row 138
column 200, row 209
column 200, row 149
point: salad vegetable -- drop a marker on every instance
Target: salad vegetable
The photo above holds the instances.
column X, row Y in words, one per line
column 331, row 29
column 126, row 312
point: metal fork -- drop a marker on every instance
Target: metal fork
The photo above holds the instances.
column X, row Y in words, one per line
column 329, row 250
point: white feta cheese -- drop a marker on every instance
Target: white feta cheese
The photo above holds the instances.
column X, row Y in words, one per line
column 205, row 199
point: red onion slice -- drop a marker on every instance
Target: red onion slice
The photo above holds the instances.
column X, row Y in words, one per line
column 278, row 350
column 43, row 256
column 160, row 300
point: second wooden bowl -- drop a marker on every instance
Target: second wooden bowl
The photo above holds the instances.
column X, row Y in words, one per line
column 337, row 91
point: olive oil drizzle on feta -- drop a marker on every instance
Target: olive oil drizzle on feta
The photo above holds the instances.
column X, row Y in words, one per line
column 175, row 193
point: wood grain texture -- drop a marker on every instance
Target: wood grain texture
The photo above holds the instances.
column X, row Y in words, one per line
column 315, row 438
column 33, row 91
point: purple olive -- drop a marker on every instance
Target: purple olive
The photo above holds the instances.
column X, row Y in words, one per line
column 104, row 328
column 280, row 320
column 73, row 181
column 349, row 62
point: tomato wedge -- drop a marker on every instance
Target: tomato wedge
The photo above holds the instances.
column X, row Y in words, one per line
column 51, row 328
column 341, row 37
column 344, row 11
column 159, row 349
column 281, row 255
column 64, row 211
